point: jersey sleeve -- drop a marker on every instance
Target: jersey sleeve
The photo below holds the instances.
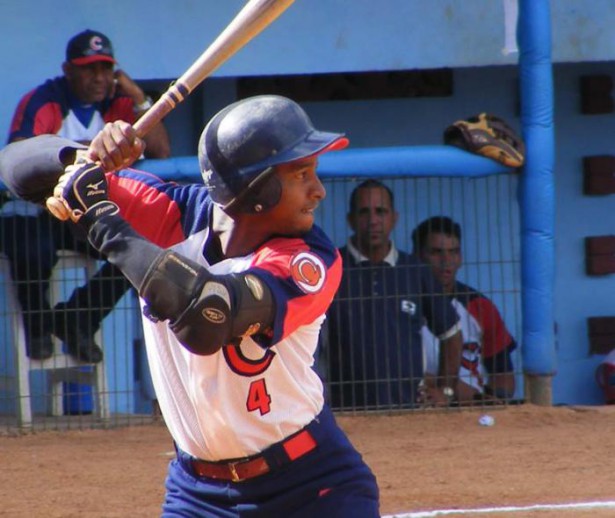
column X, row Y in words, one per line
column 165, row 213
column 30, row 168
column 120, row 108
column 496, row 337
column 303, row 275
column 36, row 114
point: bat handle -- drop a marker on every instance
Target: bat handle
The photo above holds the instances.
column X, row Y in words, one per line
column 168, row 100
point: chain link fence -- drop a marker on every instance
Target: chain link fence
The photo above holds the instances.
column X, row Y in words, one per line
column 52, row 319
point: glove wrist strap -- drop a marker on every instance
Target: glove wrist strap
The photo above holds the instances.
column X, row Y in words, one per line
column 97, row 211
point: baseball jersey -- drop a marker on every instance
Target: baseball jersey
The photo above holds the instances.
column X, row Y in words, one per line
column 245, row 397
column 51, row 109
column 375, row 352
column 484, row 336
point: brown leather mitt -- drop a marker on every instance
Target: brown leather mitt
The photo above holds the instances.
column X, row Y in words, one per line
column 489, row 136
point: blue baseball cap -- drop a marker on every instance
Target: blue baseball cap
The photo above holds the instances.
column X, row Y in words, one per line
column 88, row 47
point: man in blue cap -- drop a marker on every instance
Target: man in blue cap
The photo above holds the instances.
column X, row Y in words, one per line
column 76, row 105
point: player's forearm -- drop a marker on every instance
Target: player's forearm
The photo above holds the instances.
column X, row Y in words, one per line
column 450, row 360
column 30, row 168
column 124, row 247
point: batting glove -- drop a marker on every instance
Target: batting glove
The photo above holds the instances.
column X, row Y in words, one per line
column 81, row 195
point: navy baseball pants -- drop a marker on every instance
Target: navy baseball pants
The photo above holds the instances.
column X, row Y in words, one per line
column 330, row 481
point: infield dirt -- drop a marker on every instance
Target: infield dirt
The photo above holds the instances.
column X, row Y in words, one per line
column 423, row 461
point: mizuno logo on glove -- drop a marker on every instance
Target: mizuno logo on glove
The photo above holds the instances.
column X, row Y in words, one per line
column 96, row 189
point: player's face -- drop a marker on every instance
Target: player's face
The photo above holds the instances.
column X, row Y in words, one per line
column 373, row 220
column 302, row 191
column 90, row 83
column 443, row 254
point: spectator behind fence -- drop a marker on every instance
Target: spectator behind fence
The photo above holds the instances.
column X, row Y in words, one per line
column 76, row 106
column 374, row 325
column 486, row 367
column 235, row 286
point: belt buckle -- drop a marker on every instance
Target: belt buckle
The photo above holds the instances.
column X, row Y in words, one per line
column 234, row 475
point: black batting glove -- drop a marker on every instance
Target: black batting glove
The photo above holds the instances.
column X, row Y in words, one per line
column 81, row 195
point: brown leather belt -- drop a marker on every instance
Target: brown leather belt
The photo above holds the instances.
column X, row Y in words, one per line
column 238, row 470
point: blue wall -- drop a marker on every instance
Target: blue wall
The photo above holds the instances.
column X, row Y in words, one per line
column 158, row 40
column 421, row 121
column 578, row 296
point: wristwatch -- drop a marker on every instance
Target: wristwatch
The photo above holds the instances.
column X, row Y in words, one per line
column 145, row 105
column 449, row 393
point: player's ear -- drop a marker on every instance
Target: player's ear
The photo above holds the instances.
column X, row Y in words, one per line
column 67, row 69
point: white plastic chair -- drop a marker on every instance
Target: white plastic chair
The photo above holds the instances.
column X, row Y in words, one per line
column 61, row 367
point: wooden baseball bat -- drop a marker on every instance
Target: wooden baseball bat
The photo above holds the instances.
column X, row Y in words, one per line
column 255, row 16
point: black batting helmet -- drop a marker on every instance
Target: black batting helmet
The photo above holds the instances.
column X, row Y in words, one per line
column 242, row 143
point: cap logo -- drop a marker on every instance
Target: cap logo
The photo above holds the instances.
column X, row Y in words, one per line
column 96, row 43
column 308, row 271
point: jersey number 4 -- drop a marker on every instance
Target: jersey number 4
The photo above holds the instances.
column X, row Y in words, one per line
column 258, row 397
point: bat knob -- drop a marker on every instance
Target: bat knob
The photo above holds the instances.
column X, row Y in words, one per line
column 57, row 209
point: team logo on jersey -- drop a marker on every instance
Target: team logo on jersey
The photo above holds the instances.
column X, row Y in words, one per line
column 244, row 366
column 308, row 271
column 407, row 306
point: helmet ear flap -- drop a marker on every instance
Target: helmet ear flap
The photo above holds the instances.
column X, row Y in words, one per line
column 265, row 195
column 262, row 194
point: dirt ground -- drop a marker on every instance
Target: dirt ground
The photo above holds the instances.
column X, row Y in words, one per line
column 423, row 461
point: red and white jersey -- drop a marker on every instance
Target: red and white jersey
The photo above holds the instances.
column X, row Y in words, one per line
column 72, row 128
column 484, row 335
column 244, row 398
column 49, row 109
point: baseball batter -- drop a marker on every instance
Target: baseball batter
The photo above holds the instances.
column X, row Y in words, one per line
column 235, row 280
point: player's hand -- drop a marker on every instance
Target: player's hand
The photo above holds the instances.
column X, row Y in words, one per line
column 116, row 146
column 431, row 396
column 81, row 195
column 125, row 85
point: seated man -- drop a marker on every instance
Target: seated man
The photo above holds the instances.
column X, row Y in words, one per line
column 374, row 340
column 486, row 365
column 31, row 240
column 75, row 105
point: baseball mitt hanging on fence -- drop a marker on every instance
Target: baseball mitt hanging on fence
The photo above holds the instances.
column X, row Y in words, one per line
column 489, row 136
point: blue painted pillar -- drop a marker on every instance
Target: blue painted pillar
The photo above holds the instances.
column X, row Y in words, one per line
column 537, row 198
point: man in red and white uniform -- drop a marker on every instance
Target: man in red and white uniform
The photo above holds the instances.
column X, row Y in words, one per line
column 76, row 105
column 235, row 280
column 486, row 365
column 90, row 93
